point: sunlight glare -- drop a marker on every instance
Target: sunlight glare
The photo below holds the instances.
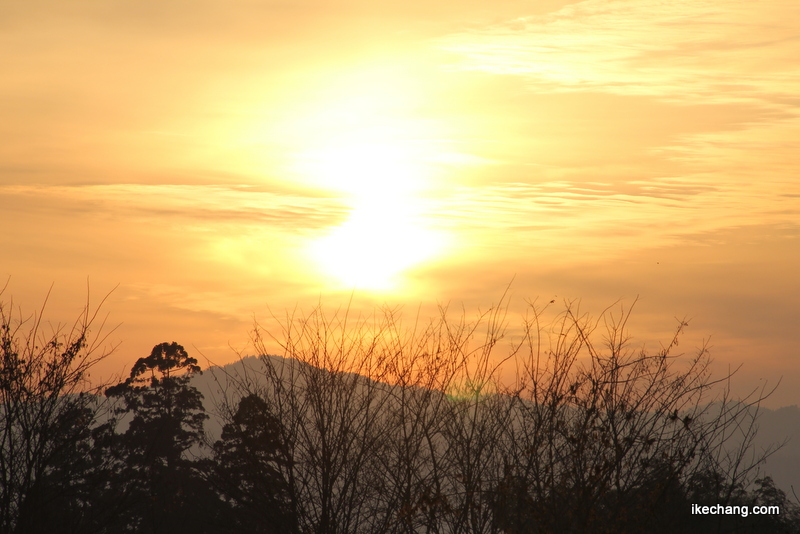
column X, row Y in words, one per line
column 384, row 234
column 374, row 246
column 363, row 141
column 365, row 170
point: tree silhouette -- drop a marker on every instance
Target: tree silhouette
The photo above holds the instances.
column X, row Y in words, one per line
column 248, row 467
column 365, row 428
column 161, row 486
column 594, row 435
column 168, row 413
column 46, row 412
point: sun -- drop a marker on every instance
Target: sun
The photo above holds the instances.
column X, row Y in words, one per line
column 366, row 169
column 376, row 244
column 363, row 140
column 385, row 233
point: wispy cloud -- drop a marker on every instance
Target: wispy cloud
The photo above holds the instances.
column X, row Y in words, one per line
column 740, row 55
column 200, row 204
column 577, row 218
column 698, row 50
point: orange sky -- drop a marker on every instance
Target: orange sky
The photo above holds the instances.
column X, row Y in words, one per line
column 218, row 160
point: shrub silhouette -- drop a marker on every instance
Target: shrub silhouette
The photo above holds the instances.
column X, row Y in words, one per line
column 591, row 436
column 362, row 425
column 47, row 409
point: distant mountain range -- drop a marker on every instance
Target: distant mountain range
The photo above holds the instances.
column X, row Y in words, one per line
column 779, row 426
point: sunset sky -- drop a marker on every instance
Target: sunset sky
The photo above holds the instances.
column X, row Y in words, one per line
column 224, row 160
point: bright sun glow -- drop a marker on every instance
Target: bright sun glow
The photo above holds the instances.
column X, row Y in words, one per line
column 361, row 139
column 383, row 235
column 374, row 246
column 366, row 170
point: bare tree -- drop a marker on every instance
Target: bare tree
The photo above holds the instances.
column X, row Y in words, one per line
column 389, row 429
column 611, row 438
column 47, row 408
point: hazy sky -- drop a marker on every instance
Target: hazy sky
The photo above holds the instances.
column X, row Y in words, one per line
column 221, row 159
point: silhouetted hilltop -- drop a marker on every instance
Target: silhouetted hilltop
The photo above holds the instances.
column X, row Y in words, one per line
column 778, row 426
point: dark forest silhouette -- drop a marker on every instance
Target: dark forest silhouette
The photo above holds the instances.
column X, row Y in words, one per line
column 364, row 426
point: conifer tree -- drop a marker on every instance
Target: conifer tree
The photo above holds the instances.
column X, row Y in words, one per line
column 159, row 482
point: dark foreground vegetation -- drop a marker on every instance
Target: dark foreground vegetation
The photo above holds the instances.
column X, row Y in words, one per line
column 366, row 426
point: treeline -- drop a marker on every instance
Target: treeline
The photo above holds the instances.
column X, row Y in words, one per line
column 366, row 426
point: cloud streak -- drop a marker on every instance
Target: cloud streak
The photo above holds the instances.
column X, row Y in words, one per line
column 700, row 53
column 709, row 51
column 206, row 204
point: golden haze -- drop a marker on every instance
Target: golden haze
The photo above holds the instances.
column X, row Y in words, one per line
column 223, row 159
